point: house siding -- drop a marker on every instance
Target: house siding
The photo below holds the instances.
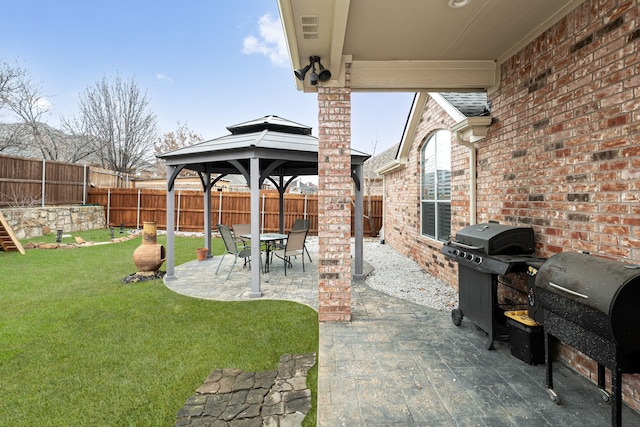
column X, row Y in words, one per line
column 562, row 155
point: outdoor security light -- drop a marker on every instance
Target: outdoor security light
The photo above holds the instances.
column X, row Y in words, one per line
column 322, row 75
column 301, row 72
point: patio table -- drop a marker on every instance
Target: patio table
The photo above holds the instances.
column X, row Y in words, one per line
column 267, row 238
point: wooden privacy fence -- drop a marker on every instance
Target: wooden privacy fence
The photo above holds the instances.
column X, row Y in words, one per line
column 30, row 182
column 131, row 207
column 27, row 182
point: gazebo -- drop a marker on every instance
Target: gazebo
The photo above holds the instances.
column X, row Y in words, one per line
column 269, row 148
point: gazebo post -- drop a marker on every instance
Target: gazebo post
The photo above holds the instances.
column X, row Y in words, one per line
column 207, row 212
column 359, row 223
column 281, row 190
column 170, row 261
column 254, row 184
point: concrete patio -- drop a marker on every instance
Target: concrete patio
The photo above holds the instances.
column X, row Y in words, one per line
column 402, row 364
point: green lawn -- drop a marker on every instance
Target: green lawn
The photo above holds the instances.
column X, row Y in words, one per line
column 79, row 348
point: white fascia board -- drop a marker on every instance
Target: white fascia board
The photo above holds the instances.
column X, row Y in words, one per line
column 432, row 76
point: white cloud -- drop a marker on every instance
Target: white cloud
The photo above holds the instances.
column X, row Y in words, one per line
column 42, row 105
column 271, row 42
column 163, row 77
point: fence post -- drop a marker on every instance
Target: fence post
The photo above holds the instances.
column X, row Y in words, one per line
column 108, row 207
column 44, row 179
column 178, row 215
column 304, row 214
column 138, row 210
column 263, row 202
column 84, row 184
column 220, row 209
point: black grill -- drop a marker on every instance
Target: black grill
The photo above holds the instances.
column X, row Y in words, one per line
column 496, row 239
column 483, row 252
column 590, row 303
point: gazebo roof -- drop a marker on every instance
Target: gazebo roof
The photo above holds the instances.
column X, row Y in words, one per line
column 283, row 147
column 270, row 123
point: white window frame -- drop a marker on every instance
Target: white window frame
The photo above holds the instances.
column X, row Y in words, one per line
column 440, row 141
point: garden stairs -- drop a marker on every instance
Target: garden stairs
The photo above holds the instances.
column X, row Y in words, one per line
column 8, row 240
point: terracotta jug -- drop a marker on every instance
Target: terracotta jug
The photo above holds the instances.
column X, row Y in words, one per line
column 149, row 256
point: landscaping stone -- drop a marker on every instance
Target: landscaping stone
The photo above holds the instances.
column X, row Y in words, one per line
column 234, row 398
column 29, row 222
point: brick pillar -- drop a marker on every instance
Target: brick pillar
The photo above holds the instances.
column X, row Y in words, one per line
column 334, row 202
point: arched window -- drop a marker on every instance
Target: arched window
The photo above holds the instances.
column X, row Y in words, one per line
column 435, row 165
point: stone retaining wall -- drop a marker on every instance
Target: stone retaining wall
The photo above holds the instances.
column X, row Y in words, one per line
column 33, row 222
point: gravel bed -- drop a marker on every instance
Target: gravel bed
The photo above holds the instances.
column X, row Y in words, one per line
column 399, row 276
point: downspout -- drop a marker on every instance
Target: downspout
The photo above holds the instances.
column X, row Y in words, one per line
column 466, row 132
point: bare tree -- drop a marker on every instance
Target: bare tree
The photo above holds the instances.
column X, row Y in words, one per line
column 22, row 103
column 114, row 116
column 182, row 137
column 30, row 109
column 10, row 76
column 170, row 141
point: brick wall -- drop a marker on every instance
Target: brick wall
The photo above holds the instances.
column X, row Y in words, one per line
column 402, row 200
column 562, row 156
column 334, row 201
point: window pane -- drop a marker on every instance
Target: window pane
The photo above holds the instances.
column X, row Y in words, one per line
column 444, row 185
column 428, row 184
column 429, row 219
column 428, row 170
column 443, row 161
column 435, row 168
column 444, row 220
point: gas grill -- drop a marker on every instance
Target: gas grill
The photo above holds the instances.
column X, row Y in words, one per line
column 483, row 252
column 590, row 303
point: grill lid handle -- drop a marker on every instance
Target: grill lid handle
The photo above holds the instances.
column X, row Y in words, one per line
column 463, row 246
column 569, row 291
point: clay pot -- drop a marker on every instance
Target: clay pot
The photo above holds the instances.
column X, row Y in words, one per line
column 201, row 253
column 149, row 256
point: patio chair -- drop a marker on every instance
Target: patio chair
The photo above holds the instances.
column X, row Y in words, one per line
column 239, row 230
column 302, row 224
column 293, row 248
column 232, row 249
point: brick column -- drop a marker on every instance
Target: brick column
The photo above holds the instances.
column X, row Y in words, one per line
column 334, row 202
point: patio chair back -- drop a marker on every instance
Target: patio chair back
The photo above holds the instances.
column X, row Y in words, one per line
column 239, row 230
column 228, row 239
column 232, row 248
column 295, row 242
column 301, row 224
column 293, row 248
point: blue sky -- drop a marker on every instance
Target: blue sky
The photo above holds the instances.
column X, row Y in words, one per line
column 206, row 63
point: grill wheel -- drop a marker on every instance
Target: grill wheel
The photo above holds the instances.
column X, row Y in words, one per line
column 456, row 316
